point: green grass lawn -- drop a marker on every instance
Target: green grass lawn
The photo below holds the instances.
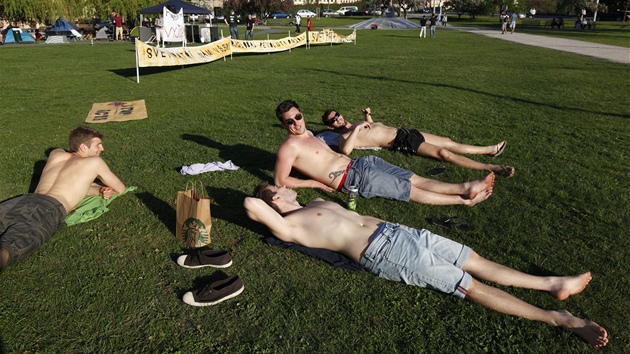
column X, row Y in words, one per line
column 111, row 285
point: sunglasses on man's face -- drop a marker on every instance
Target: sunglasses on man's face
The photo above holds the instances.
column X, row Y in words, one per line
column 291, row 121
column 332, row 120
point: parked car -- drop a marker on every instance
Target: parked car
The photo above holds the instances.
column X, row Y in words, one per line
column 342, row 10
column 279, row 14
column 305, row 13
column 328, row 13
column 356, row 13
column 374, row 12
column 521, row 15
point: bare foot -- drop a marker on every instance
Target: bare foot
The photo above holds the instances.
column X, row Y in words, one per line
column 567, row 286
column 479, row 186
column 590, row 331
column 480, row 197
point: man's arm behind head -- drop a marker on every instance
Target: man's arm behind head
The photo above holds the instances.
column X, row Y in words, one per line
column 259, row 211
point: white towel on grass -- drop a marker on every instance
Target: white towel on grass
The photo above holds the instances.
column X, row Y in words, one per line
column 198, row 168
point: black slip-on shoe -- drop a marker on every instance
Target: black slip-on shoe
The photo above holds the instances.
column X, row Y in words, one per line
column 215, row 293
column 205, row 258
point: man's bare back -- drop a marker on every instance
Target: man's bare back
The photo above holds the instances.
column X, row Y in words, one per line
column 69, row 177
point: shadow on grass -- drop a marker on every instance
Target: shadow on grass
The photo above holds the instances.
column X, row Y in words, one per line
column 37, row 171
column 227, row 204
column 251, row 159
column 467, row 89
column 164, row 212
column 130, row 73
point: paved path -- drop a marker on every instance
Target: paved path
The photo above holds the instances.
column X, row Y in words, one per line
column 604, row 51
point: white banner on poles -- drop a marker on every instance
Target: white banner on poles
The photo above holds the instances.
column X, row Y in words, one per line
column 174, row 29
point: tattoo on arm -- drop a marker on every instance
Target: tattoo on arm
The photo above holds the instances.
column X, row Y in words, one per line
column 333, row 175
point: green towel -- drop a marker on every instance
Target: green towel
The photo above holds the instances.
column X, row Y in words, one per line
column 92, row 207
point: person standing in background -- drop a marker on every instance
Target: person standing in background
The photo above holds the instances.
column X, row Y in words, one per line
column 159, row 30
column 232, row 21
column 433, row 21
column 249, row 28
column 423, row 27
column 118, row 26
column 297, row 21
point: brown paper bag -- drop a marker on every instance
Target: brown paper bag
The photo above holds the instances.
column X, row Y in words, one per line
column 193, row 216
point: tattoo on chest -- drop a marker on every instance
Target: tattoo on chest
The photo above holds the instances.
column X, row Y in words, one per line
column 333, row 175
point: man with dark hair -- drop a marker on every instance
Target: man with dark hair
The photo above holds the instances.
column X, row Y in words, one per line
column 410, row 141
column 232, row 21
column 118, row 26
column 28, row 221
column 433, row 21
column 423, row 27
column 373, row 176
column 416, row 257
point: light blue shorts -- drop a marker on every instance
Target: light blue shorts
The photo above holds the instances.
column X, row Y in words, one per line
column 375, row 177
column 418, row 257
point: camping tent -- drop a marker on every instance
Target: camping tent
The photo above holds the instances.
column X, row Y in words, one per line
column 104, row 33
column 174, row 6
column 16, row 35
column 61, row 27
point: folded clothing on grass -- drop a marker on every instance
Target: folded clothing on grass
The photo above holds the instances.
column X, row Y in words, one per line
column 91, row 207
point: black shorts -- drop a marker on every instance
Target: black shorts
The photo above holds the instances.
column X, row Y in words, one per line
column 407, row 141
column 27, row 222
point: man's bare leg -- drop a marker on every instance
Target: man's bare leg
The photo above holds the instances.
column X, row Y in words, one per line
column 500, row 301
column 440, row 153
column 459, row 148
column 433, row 198
column 467, row 190
column 560, row 287
column 4, row 258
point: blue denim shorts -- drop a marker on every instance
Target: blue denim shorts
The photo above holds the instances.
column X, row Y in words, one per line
column 27, row 222
column 375, row 177
column 418, row 257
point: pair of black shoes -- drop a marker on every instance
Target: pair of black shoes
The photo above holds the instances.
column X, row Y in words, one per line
column 218, row 291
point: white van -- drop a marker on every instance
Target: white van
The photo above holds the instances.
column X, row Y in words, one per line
column 342, row 11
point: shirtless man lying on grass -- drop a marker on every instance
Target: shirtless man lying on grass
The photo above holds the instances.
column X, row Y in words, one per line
column 416, row 257
column 30, row 220
column 410, row 141
column 373, row 176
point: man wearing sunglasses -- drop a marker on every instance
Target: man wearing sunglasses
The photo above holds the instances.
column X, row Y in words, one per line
column 373, row 176
column 410, row 141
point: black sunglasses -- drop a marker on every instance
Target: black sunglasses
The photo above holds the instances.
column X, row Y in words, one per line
column 332, row 120
column 291, row 121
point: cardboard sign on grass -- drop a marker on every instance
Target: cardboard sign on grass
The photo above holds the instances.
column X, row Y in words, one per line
column 117, row 112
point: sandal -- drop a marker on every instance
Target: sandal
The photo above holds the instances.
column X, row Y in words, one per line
column 500, row 151
column 453, row 222
column 437, row 171
column 505, row 171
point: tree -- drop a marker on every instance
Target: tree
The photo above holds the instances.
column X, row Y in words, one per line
column 472, row 7
column 258, row 6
